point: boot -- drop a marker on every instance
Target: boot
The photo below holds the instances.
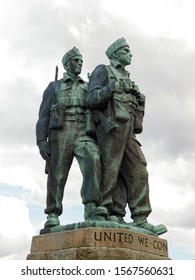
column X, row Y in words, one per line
column 159, row 229
column 52, row 220
column 116, row 218
column 95, row 213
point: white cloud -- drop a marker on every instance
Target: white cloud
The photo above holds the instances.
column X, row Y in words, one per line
column 16, row 169
column 16, row 228
column 183, row 239
column 16, row 218
column 162, row 18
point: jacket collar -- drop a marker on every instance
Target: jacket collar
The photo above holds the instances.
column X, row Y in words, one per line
column 118, row 66
column 66, row 78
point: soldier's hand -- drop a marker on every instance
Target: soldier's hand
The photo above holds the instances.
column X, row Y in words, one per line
column 44, row 150
column 116, row 86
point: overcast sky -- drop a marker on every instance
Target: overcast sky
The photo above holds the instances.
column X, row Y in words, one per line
column 35, row 34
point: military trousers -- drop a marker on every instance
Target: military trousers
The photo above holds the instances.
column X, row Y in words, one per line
column 124, row 173
column 135, row 192
column 66, row 144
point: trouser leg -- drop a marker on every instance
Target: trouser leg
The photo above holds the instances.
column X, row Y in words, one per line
column 88, row 157
column 120, row 198
column 135, row 174
column 112, row 146
column 61, row 160
column 134, row 189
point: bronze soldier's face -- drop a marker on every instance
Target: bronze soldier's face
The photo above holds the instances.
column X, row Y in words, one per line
column 124, row 56
column 75, row 65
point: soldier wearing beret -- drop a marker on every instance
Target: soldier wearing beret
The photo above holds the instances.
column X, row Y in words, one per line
column 114, row 95
column 61, row 136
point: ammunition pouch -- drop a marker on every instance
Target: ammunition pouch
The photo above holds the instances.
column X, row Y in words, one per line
column 138, row 120
column 120, row 113
column 123, row 104
column 56, row 116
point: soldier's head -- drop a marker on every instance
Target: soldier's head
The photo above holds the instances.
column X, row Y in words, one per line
column 120, row 52
column 73, row 61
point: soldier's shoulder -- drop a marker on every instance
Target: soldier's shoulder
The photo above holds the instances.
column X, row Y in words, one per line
column 57, row 82
column 51, row 87
column 101, row 69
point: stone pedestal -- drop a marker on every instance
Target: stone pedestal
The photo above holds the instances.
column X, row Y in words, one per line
column 98, row 244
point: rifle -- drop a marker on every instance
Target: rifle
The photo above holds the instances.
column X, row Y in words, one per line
column 48, row 162
column 56, row 73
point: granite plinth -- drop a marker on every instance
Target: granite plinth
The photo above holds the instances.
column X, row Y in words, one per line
column 98, row 244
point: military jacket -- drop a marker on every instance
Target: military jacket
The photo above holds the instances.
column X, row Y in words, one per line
column 116, row 106
column 60, row 96
column 99, row 91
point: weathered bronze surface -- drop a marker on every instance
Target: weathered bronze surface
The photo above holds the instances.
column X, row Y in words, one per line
column 61, row 136
column 113, row 94
column 97, row 124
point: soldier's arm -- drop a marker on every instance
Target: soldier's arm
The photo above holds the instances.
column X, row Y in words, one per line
column 44, row 115
column 99, row 91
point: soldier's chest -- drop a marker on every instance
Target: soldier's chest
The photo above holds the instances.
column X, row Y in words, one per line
column 71, row 94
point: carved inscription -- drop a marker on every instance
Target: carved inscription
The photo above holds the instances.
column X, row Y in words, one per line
column 113, row 236
column 137, row 241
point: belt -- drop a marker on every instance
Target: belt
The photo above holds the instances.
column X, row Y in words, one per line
column 74, row 118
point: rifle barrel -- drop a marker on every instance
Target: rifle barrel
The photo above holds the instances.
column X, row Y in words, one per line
column 56, row 73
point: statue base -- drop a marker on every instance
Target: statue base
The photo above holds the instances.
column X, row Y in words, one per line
column 95, row 243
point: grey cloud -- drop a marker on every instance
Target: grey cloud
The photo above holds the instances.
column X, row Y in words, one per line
column 164, row 70
column 40, row 29
column 14, row 249
column 184, row 218
column 19, row 113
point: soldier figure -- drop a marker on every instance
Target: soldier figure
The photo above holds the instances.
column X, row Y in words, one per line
column 61, row 136
column 114, row 96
